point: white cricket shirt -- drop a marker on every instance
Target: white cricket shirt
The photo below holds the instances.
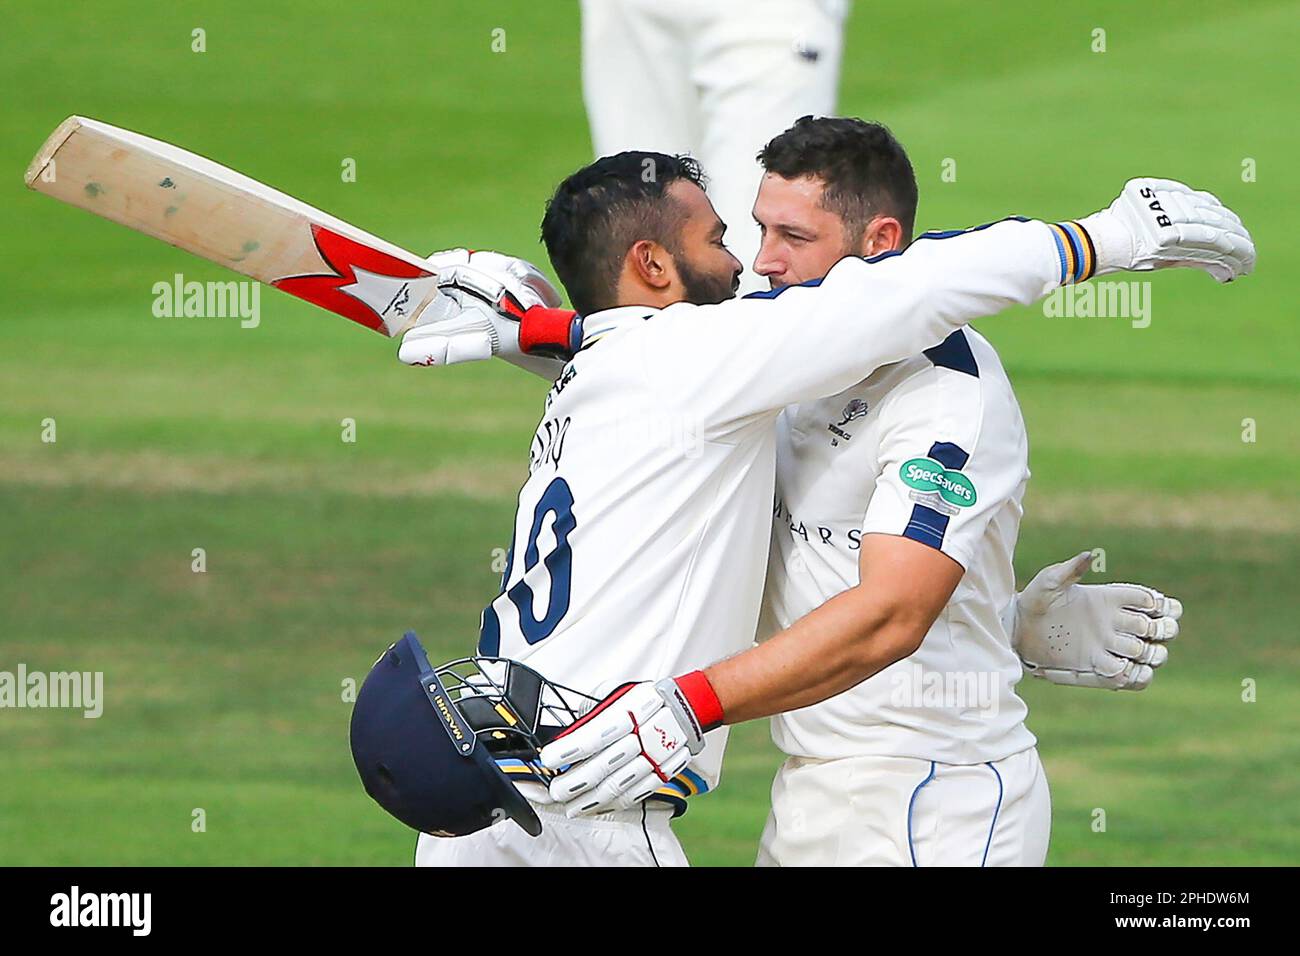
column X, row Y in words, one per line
column 933, row 449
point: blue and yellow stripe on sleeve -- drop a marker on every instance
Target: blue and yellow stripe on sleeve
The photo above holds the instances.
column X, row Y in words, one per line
column 1075, row 249
column 686, row 784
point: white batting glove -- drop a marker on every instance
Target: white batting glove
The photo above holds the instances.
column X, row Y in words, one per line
column 1158, row 223
column 630, row 744
column 484, row 295
column 1110, row 636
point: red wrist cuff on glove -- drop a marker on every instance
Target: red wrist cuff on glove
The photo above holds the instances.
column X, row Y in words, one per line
column 704, row 702
column 555, row 332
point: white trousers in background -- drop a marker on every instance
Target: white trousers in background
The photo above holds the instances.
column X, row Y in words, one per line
column 637, row 837
column 715, row 79
column 900, row 811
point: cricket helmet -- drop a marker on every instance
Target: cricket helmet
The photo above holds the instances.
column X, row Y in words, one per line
column 427, row 740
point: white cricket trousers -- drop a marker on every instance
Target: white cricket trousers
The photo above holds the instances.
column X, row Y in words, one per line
column 715, row 79
column 637, row 837
column 900, row 811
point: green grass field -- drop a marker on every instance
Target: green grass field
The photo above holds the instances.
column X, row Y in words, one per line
column 224, row 689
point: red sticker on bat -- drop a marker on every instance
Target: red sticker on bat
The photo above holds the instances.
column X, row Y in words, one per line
column 370, row 287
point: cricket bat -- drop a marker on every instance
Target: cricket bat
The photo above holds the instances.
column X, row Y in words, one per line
column 226, row 217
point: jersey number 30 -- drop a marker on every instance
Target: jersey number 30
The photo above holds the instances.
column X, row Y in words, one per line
column 556, row 500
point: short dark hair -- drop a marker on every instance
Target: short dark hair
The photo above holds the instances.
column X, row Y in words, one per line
column 864, row 169
column 598, row 214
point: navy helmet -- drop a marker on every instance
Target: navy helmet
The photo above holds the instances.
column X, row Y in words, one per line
column 427, row 740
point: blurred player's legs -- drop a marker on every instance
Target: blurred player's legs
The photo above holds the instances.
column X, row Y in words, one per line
column 717, row 80
column 637, row 837
column 636, row 80
column 757, row 72
column 900, row 811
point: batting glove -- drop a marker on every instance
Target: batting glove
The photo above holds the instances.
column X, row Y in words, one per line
column 490, row 293
column 1109, row 636
column 1157, row 223
column 631, row 743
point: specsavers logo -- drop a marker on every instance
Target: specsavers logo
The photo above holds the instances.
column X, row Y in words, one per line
column 928, row 475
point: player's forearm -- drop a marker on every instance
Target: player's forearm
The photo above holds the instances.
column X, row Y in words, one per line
column 876, row 313
column 643, row 733
column 939, row 285
column 833, row 648
column 540, row 365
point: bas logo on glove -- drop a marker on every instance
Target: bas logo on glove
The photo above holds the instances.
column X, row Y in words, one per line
column 1190, row 228
column 1149, row 193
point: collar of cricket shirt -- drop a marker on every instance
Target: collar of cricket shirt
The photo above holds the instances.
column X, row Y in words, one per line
column 600, row 324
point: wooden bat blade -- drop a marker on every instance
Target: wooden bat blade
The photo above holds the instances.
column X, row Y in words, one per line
column 226, row 217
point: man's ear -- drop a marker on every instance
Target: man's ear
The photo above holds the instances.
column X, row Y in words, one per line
column 883, row 234
column 651, row 265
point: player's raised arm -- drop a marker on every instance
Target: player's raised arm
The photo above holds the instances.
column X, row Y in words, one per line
column 807, row 341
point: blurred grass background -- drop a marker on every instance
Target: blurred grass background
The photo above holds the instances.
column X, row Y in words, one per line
column 223, row 689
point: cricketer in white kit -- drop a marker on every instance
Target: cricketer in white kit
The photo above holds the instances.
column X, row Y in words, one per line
column 596, row 476
column 929, row 761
